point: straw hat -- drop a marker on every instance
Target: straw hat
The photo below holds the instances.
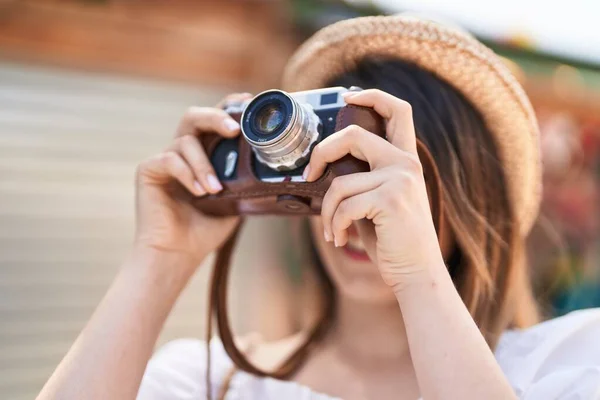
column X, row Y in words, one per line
column 455, row 57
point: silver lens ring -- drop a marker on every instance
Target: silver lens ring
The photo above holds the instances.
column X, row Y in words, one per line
column 280, row 130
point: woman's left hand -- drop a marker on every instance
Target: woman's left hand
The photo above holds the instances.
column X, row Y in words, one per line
column 393, row 195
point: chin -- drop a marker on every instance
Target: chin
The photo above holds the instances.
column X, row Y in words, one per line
column 367, row 292
column 353, row 273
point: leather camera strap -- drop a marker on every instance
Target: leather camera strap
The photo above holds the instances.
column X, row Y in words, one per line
column 220, row 277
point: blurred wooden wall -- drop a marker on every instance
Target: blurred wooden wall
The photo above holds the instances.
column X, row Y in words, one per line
column 238, row 44
column 87, row 90
column 69, row 146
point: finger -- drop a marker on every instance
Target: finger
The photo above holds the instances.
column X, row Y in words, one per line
column 199, row 120
column 366, row 232
column 191, row 150
column 170, row 165
column 343, row 187
column 352, row 209
column 234, row 98
column 352, row 140
column 397, row 112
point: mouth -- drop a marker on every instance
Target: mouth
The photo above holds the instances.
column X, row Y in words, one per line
column 355, row 248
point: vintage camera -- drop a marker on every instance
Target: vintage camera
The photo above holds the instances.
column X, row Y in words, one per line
column 281, row 129
column 261, row 170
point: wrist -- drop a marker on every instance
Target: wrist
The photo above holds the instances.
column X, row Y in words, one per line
column 422, row 279
column 162, row 262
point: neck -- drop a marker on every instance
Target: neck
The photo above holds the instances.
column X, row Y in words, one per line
column 369, row 334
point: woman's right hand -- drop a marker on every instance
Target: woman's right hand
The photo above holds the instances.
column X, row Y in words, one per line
column 167, row 222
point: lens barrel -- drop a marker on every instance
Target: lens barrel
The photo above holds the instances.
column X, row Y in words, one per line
column 281, row 130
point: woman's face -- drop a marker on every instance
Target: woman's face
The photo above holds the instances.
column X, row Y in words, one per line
column 350, row 267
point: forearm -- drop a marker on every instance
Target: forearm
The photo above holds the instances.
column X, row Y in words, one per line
column 449, row 354
column 108, row 358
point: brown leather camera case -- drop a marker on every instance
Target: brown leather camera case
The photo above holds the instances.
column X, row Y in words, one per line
column 247, row 195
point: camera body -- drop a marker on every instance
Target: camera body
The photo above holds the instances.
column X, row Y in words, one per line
column 282, row 130
column 261, row 170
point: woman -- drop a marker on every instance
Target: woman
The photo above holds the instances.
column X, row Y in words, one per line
column 414, row 316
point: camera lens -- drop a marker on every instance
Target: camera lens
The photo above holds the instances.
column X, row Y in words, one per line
column 280, row 130
column 269, row 118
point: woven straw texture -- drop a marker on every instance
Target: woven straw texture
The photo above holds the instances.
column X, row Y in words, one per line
column 454, row 56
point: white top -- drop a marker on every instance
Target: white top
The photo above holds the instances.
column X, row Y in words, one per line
column 555, row 360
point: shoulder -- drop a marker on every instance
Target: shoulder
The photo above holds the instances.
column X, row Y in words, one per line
column 558, row 359
column 178, row 370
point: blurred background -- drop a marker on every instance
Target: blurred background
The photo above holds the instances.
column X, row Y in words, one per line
column 88, row 88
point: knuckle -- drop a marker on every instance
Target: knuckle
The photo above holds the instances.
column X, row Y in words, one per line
column 354, row 131
column 212, row 115
column 390, row 196
column 191, row 112
column 376, row 92
column 336, row 185
column 142, row 167
column 336, row 223
column 413, row 164
column 203, row 170
column 339, row 210
column 410, row 179
column 403, row 106
column 177, row 143
column 403, row 179
column 343, row 208
column 216, row 115
column 316, row 152
column 167, row 159
column 332, row 197
column 186, row 141
column 327, row 209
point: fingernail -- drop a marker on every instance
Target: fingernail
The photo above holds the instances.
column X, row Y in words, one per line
column 306, row 172
column 327, row 237
column 336, row 243
column 347, row 95
column 214, row 183
column 231, row 125
column 199, row 188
